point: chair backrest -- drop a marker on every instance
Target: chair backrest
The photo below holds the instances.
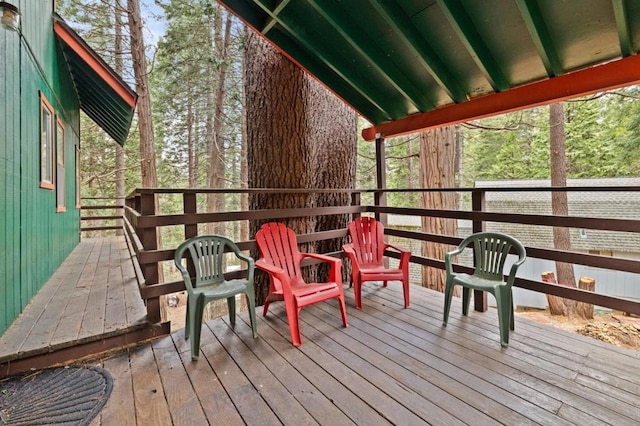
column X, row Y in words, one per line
column 367, row 239
column 207, row 253
column 490, row 250
column 278, row 245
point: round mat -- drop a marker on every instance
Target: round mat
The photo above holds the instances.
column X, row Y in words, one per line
column 63, row 395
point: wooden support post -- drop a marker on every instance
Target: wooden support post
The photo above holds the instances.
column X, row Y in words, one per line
column 355, row 201
column 480, row 303
column 380, row 198
column 190, row 206
column 149, row 240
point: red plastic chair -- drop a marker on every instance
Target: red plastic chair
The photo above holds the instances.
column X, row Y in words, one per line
column 366, row 253
column 281, row 260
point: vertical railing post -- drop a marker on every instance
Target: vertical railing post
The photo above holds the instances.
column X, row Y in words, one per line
column 190, row 207
column 380, row 197
column 149, row 238
column 478, row 205
column 355, row 201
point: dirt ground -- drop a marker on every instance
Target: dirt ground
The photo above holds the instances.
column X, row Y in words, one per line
column 615, row 328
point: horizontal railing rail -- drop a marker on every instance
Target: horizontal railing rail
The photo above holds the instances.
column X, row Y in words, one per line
column 143, row 224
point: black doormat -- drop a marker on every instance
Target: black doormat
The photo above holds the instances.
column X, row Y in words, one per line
column 55, row 396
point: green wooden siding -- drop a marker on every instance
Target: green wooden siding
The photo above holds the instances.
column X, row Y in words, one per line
column 34, row 239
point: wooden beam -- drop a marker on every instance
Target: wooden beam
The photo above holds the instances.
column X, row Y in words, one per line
column 612, row 75
column 539, row 33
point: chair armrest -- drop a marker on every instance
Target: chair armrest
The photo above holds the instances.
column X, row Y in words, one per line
column 250, row 265
column 396, row 248
column 186, row 278
column 448, row 263
column 335, row 273
column 348, row 249
column 276, row 273
column 405, row 255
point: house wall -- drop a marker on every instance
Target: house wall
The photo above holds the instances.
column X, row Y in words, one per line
column 34, row 238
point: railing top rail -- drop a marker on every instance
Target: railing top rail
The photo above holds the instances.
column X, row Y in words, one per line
column 140, row 191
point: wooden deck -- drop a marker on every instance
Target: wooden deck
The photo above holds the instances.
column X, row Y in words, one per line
column 390, row 366
column 91, row 303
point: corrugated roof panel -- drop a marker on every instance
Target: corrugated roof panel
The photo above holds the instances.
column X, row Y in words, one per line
column 103, row 95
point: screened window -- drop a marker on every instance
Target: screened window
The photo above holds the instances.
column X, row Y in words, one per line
column 46, row 144
column 61, row 190
column 78, row 180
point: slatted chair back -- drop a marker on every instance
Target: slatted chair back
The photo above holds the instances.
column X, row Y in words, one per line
column 278, row 245
column 367, row 239
column 490, row 251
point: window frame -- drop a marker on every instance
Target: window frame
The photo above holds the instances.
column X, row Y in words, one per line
column 47, row 174
column 78, row 178
column 60, row 167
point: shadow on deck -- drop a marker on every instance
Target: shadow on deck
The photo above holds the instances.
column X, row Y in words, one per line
column 91, row 304
column 390, row 366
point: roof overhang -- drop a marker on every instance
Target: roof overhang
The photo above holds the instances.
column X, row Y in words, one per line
column 103, row 95
column 410, row 65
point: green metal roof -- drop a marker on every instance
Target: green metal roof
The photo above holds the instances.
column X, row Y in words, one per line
column 103, row 95
column 398, row 61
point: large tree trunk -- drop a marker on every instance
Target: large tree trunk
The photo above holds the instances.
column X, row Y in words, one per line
column 437, row 170
column 559, row 204
column 298, row 136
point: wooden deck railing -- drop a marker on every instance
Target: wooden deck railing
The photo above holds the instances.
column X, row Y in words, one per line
column 142, row 224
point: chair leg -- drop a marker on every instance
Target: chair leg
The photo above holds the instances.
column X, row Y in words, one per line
column 265, row 308
column 466, row 300
column 343, row 310
column 196, row 326
column 251, row 301
column 405, row 285
column 188, row 320
column 384, row 283
column 293, row 315
column 448, row 294
column 231, row 306
column 503, row 301
column 357, row 293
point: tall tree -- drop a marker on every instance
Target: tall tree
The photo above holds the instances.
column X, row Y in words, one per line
column 145, row 119
column 437, row 170
column 293, row 127
column 559, row 204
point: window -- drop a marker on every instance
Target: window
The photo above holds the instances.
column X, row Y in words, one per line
column 46, row 144
column 78, row 180
column 61, row 190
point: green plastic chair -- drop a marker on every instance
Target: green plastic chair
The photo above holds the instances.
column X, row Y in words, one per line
column 490, row 252
column 207, row 253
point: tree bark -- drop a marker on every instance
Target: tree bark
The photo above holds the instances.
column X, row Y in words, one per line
column 437, row 170
column 585, row 310
column 145, row 119
column 298, row 136
column 216, row 175
column 559, row 202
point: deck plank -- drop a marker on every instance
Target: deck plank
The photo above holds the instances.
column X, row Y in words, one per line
column 251, row 406
column 348, row 402
column 182, row 400
column 120, row 409
column 603, row 407
column 213, row 398
column 282, row 404
column 148, row 393
column 320, row 406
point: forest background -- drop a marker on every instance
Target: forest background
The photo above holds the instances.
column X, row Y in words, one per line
column 190, row 124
